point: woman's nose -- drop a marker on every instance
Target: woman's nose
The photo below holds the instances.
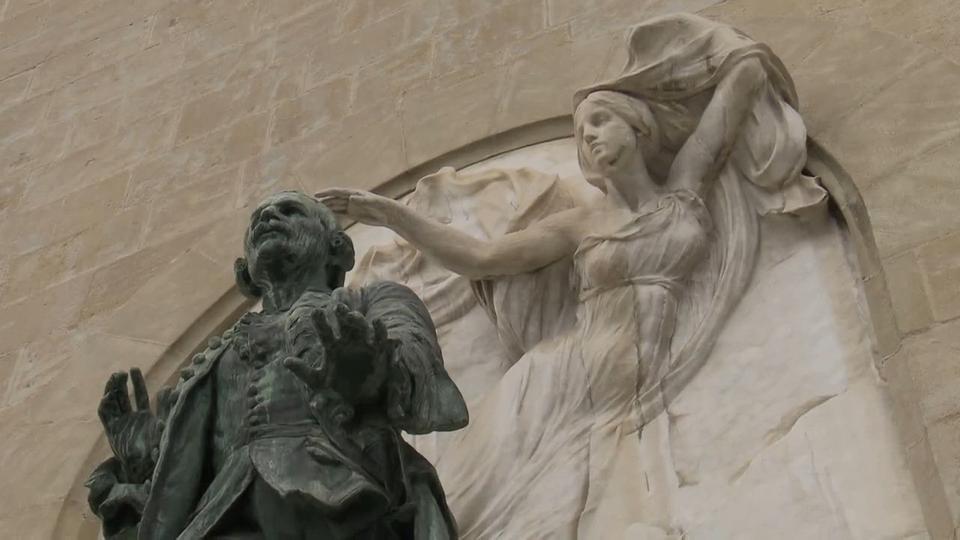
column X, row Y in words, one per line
column 589, row 136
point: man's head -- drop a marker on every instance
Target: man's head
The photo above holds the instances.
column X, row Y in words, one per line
column 291, row 234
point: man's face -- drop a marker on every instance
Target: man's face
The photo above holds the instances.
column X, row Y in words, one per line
column 287, row 229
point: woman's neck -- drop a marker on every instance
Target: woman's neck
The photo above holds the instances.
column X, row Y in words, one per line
column 633, row 189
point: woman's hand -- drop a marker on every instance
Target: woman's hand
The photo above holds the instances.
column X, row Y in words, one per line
column 360, row 205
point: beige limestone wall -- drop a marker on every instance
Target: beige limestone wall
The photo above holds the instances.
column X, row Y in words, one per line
column 134, row 135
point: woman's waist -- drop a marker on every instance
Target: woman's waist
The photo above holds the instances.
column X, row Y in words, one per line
column 668, row 284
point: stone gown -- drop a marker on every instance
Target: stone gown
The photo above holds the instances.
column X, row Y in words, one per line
column 543, row 445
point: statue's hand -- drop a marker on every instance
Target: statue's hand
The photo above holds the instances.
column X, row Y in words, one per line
column 134, row 435
column 355, row 355
column 360, row 205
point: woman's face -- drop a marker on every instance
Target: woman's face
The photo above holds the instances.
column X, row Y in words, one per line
column 606, row 141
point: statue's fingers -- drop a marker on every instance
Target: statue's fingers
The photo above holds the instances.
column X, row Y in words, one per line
column 354, row 326
column 140, row 395
column 306, row 373
column 322, row 322
column 117, row 388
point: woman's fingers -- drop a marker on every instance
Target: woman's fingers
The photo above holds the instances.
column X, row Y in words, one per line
column 335, row 193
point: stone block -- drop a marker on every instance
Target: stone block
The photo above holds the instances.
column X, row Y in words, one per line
column 194, row 207
column 277, row 12
column 370, row 133
column 568, row 65
column 163, row 308
column 81, row 94
column 205, row 28
column 221, row 107
column 934, row 358
column 25, row 153
column 115, row 283
column 21, row 232
column 477, row 41
column 835, row 82
column 117, row 236
column 75, row 58
column 350, row 51
column 13, row 89
column 916, row 203
column 944, row 437
column 931, row 24
column 172, row 91
column 940, row 263
column 57, row 307
column 937, row 512
column 438, row 118
column 16, row 7
column 102, row 160
column 24, row 56
column 299, row 36
column 325, row 103
column 93, row 125
column 10, row 192
column 388, row 77
column 908, row 117
column 905, row 282
column 93, row 357
column 23, row 25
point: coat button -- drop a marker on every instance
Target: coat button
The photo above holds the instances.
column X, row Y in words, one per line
column 199, row 358
column 214, row 342
column 186, row 373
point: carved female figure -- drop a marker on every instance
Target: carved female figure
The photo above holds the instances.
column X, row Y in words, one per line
column 698, row 135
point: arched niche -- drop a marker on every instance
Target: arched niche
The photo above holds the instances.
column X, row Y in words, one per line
column 850, row 239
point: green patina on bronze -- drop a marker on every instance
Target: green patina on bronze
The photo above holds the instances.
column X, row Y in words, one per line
column 288, row 426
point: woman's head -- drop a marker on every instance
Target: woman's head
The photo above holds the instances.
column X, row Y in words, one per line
column 614, row 132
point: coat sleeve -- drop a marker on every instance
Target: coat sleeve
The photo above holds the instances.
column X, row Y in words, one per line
column 435, row 403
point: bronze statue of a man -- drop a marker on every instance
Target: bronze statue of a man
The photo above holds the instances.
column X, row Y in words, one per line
column 288, row 426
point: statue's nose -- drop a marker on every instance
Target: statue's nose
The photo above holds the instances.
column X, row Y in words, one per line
column 269, row 213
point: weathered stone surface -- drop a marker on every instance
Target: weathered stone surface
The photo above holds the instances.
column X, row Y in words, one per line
column 430, row 110
column 914, row 204
column 194, row 207
column 907, row 291
column 907, row 118
column 169, row 307
column 23, row 117
column 325, row 103
column 940, row 263
column 933, row 361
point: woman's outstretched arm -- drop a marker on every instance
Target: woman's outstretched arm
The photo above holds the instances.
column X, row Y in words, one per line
column 704, row 154
column 523, row 251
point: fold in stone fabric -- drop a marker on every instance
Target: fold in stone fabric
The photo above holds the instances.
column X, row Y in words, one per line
column 569, row 440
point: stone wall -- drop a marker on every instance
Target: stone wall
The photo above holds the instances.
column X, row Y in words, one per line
column 135, row 134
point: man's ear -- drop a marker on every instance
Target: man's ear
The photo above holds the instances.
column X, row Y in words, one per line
column 244, row 280
column 342, row 258
column 341, row 249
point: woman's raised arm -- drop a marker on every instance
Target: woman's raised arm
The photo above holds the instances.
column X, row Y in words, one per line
column 523, row 251
column 706, row 150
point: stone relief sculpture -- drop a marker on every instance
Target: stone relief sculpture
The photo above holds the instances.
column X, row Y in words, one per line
column 608, row 300
column 288, row 425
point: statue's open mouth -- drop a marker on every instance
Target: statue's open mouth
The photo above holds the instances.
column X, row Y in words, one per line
column 266, row 230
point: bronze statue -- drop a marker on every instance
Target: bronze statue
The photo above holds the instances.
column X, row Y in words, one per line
column 288, row 426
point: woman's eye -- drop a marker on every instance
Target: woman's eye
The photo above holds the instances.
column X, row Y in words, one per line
column 290, row 211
